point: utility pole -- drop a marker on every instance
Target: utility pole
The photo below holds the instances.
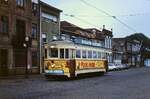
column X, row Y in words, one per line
column 40, row 37
column 26, row 45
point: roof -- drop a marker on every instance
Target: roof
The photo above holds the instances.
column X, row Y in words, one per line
column 119, row 39
column 76, row 30
column 107, row 32
column 68, row 25
column 99, row 34
column 49, row 6
column 117, row 42
column 70, row 44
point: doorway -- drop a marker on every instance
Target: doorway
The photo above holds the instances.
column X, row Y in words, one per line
column 3, row 62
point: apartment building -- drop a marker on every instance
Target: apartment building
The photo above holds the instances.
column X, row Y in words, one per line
column 19, row 21
column 89, row 37
column 49, row 27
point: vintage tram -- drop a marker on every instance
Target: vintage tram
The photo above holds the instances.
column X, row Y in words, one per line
column 65, row 58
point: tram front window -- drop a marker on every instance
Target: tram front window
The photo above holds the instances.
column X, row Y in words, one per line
column 45, row 53
column 54, row 53
column 66, row 53
column 72, row 53
column 61, row 53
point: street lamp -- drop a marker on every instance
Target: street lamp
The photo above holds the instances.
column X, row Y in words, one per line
column 26, row 45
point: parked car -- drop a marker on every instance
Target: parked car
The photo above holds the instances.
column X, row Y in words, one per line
column 121, row 66
column 125, row 66
column 111, row 66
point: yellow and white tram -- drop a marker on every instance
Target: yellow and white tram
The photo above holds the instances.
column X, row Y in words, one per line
column 70, row 59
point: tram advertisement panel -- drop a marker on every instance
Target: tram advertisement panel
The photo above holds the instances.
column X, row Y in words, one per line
column 56, row 65
column 87, row 64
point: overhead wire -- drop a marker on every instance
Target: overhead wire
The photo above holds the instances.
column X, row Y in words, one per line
column 75, row 17
column 114, row 17
column 124, row 15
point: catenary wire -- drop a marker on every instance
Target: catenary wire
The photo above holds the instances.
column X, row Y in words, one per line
column 114, row 17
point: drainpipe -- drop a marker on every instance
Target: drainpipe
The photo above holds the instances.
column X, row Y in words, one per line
column 40, row 39
column 59, row 26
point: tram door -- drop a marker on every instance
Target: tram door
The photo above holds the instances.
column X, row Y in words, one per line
column 3, row 62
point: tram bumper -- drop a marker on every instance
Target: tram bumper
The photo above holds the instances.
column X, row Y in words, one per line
column 56, row 73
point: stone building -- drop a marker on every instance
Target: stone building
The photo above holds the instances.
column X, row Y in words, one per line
column 19, row 19
column 25, row 27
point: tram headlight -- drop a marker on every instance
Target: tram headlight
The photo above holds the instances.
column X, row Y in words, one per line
column 52, row 46
column 53, row 65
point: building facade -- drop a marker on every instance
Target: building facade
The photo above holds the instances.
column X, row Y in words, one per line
column 127, row 51
column 108, row 34
column 133, row 54
column 18, row 20
column 118, row 50
column 49, row 27
column 88, row 37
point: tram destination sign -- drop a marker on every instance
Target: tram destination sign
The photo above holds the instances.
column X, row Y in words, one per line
column 87, row 42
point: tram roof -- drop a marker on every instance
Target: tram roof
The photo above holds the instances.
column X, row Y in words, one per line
column 70, row 44
column 60, row 42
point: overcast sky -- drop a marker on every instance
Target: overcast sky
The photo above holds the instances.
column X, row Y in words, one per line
column 134, row 13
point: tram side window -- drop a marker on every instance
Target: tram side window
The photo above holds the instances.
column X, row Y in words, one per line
column 78, row 54
column 54, row 53
column 45, row 53
column 61, row 53
column 72, row 53
column 103, row 55
column 66, row 53
column 84, row 54
column 99, row 55
column 89, row 54
column 94, row 54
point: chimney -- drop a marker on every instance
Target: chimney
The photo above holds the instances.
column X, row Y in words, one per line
column 111, row 30
column 93, row 31
column 103, row 26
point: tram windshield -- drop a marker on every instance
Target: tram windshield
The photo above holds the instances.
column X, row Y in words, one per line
column 61, row 53
column 53, row 53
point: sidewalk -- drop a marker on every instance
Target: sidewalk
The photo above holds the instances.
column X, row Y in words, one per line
column 15, row 77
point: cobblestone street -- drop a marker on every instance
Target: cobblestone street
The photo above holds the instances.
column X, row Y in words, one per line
column 126, row 84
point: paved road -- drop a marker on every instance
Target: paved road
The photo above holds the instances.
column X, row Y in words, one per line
column 127, row 84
